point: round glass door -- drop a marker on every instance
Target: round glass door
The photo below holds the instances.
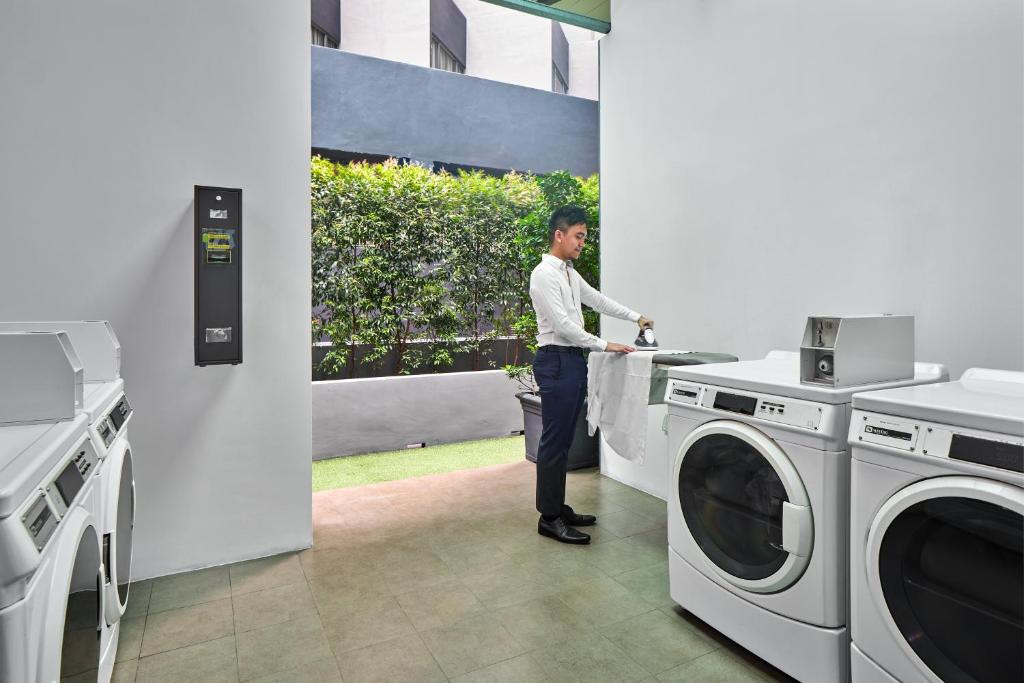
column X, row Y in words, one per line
column 124, row 528
column 734, row 488
column 951, row 574
column 80, row 648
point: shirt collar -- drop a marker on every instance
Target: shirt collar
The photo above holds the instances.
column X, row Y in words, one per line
column 555, row 261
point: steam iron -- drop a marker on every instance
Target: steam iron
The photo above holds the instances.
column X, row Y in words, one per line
column 646, row 341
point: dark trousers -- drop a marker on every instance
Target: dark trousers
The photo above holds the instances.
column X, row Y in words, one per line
column 563, row 387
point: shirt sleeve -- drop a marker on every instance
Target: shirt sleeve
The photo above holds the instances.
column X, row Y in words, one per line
column 602, row 304
column 546, row 294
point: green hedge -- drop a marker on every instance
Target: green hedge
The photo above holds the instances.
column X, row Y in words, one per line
column 402, row 254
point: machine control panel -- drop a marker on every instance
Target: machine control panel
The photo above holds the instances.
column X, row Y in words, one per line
column 121, row 412
column 71, row 477
column 787, row 411
column 111, row 424
column 938, row 441
column 40, row 521
column 682, row 393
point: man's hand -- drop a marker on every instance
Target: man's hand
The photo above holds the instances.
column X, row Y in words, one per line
column 619, row 348
column 645, row 322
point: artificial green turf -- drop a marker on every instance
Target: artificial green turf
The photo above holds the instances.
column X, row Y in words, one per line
column 356, row 470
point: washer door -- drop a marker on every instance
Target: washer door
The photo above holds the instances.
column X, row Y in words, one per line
column 77, row 605
column 119, row 524
column 944, row 566
column 744, row 505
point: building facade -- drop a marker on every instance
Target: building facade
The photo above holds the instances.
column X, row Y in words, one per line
column 518, row 93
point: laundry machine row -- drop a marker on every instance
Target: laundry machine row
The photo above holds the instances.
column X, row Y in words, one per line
column 937, row 529
column 759, row 520
column 758, row 513
column 62, row 594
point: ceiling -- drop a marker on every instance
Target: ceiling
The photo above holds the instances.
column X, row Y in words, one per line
column 589, row 14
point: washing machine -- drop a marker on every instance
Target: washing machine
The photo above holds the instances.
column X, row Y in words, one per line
column 758, row 514
column 937, row 528
column 51, row 568
column 109, row 412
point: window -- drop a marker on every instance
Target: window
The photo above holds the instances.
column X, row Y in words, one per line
column 322, row 39
column 442, row 58
column 558, row 83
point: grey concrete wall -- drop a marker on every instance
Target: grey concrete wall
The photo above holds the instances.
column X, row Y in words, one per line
column 838, row 156
column 326, row 14
column 107, row 125
column 448, row 23
column 387, row 413
column 363, row 104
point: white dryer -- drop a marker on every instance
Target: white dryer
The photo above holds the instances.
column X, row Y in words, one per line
column 109, row 412
column 937, row 528
column 758, row 514
column 51, row 569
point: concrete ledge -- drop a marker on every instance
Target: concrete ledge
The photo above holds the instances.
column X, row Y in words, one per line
column 386, row 413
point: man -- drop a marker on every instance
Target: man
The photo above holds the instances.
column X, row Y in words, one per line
column 560, row 367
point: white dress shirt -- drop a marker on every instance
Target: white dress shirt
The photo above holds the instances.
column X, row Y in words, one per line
column 558, row 293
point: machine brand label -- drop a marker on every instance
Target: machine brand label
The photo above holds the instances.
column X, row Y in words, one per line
column 890, row 433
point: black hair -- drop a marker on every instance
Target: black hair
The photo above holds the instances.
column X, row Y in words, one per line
column 564, row 217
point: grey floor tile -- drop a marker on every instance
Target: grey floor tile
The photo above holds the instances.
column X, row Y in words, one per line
column 650, row 583
column 443, row 605
column 361, row 629
column 720, row 666
column 521, row 669
column 337, row 595
column 627, row 523
column 320, row 671
column 272, row 606
column 281, row 647
column 211, row 662
column 588, row 659
column 658, row 642
column 398, row 660
column 603, row 602
column 129, row 639
column 138, row 599
column 538, row 623
column 471, row 644
column 623, row 555
column 420, row 570
column 186, row 626
column 176, row 628
column 190, row 588
column 656, row 540
column 654, row 508
column 125, row 672
column 472, row 558
column 351, row 560
column 266, row 572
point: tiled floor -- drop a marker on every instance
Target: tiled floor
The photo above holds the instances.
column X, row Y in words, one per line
column 435, row 579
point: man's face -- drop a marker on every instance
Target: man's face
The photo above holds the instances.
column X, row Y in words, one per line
column 572, row 241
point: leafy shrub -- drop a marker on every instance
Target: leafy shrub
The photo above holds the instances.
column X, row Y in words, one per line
column 401, row 254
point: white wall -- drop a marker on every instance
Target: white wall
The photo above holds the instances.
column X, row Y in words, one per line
column 765, row 161
column 111, row 112
column 506, row 45
column 583, row 61
column 398, row 30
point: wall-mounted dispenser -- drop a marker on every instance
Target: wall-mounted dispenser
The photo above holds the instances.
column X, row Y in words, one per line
column 855, row 350
column 218, row 253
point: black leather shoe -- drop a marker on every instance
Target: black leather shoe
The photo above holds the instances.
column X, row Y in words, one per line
column 572, row 519
column 562, row 532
